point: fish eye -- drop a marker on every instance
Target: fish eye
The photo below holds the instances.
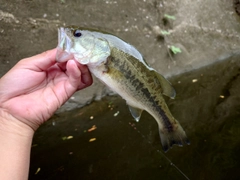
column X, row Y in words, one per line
column 77, row 33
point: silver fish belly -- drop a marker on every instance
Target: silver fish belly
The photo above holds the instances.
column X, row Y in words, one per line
column 126, row 73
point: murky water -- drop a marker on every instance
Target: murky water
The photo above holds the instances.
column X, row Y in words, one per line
column 207, row 106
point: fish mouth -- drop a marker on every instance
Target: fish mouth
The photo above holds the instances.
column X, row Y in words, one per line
column 64, row 46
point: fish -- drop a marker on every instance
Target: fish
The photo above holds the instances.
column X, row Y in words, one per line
column 122, row 68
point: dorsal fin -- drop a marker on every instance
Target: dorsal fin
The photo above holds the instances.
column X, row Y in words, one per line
column 168, row 90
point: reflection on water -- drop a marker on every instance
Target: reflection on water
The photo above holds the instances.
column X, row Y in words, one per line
column 102, row 141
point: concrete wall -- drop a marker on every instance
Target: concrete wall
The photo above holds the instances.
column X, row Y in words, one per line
column 205, row 31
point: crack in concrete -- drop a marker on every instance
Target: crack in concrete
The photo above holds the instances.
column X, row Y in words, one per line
column 221, row 32
column 10, row 18
column 7, row 17
column 39, row 22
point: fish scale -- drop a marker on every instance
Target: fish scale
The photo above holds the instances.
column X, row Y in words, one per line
column 141, row 83
column 123, row 69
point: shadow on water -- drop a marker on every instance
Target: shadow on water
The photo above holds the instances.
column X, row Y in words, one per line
column 207, row 105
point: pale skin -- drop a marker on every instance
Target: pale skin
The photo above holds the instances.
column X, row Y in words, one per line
column 29, row 95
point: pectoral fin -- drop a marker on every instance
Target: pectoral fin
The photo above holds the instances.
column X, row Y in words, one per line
column 136, row 112
column 168, row 90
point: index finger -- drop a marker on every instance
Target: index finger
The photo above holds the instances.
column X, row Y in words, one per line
column 40, row 62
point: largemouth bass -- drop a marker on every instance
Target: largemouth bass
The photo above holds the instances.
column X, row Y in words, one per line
column 122, row 68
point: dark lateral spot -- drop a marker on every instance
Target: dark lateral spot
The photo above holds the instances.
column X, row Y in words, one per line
column 145, row 91
column 135, row 82
column 166, row 121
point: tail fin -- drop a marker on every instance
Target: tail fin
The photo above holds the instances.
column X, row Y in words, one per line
column 176, row 136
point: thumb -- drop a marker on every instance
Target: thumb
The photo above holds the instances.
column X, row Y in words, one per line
column 74, row 75
column 79, row 75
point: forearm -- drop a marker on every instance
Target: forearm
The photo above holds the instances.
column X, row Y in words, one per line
column 15, row 146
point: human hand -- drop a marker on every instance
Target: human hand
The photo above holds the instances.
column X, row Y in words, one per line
column 37, row 86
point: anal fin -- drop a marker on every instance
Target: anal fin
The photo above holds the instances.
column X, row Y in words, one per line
column 136, row 112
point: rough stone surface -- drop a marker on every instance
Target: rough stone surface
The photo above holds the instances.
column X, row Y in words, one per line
column 205, row 31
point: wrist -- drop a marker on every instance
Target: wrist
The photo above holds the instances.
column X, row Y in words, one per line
column 15, row 139
column 10, row 125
